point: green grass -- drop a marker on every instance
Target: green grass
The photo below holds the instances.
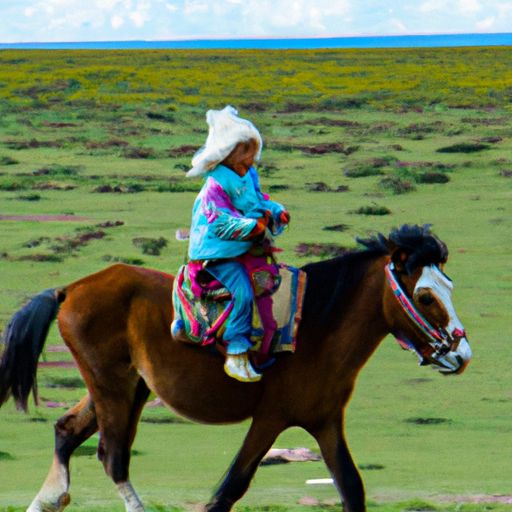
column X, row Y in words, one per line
column 81, row 133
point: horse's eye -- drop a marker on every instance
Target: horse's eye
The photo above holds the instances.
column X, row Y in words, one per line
column 426, row 299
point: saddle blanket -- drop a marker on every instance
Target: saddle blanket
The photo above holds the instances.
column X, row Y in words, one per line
column 205, row 319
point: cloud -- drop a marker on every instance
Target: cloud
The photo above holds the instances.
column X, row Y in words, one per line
column 432, row 6
column 292, row 17
column 468, row 6
column 116, row 21
column 195, row 7
column 486, row 23
column 141, row 14
column 65, row 20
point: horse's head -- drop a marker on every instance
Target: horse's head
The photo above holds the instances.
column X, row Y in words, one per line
column 419, row 300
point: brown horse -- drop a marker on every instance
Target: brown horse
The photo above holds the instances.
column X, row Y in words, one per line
column 116, row 324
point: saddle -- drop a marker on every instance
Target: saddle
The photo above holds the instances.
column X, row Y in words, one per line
column 203, row 304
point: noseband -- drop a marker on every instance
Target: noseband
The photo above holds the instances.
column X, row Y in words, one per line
column 440, row 342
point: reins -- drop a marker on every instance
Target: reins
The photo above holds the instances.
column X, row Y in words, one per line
column 439, row 341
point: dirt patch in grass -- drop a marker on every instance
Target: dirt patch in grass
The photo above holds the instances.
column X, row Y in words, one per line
column 111, row 143
column 324, row 250
column 185, row 150
column 32, row 144
column 325, row 121
column 139, row 153
column 57, row 364
column 320, row 186
column 49, row 124
column 475, row 498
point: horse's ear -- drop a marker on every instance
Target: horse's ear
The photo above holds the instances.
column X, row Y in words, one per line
column 399, row 256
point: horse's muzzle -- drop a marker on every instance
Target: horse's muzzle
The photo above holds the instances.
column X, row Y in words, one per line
column 455, row 361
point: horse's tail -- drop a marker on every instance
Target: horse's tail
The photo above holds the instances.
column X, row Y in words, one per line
column 24, row 340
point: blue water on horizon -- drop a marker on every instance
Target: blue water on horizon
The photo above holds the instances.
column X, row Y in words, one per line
column 408, row 41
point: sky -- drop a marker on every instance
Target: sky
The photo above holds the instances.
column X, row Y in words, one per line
column 121, row 20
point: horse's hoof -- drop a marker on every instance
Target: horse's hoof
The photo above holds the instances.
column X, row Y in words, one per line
column 56, row 506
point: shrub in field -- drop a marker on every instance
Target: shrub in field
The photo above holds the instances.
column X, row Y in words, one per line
column 12, row 186
column 7, row 160
column 397, row 185
column 328, row 147
column 362, row 171
column 33, row 144
column 372, row 210
column 506, row 173
column 372, row 167
column 464, row 147
column 336, row 227
column 29, row 197
column 69, row 244
column 432, row 177
column 58, row 170
column 110, row 224
column 36, row 242
column 179, row 186
column 419, row 130
column 151, row 246
column 318, row 186
column 6, row 456
column 53, row 258
column 158, row 116
column 52, row 185
column 133, row 188
column 120, row 259
column 277, row 187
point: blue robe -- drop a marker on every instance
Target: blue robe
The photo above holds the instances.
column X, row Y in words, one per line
column 224, row 214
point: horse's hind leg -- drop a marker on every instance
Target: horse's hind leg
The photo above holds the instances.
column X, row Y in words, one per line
column 118, row 414
column 78, row 424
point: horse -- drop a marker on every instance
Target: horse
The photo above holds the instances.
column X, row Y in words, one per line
column 116, row 325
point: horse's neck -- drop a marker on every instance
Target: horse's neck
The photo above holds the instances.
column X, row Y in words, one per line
column 356, row 326
column 364, row 325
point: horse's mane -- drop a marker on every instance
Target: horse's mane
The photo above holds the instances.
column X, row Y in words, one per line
column 332, row 283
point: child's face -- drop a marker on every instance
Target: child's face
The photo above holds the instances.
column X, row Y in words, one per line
column 241, row 159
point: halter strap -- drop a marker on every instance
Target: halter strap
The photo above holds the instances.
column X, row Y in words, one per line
column 436, row 339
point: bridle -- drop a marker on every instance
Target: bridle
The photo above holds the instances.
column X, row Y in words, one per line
column 439, row 341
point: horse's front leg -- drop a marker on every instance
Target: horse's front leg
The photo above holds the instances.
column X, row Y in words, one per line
column 258, row 441
column 78, row 424
column 339, row 461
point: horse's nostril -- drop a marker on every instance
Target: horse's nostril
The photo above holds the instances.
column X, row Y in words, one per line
column 426, row 299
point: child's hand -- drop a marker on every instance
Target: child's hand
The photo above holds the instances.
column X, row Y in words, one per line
column 284, row 217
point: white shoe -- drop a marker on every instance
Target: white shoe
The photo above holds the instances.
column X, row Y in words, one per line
column 239, row 367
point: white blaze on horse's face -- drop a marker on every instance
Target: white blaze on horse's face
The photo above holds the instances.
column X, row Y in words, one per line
column 441, row 287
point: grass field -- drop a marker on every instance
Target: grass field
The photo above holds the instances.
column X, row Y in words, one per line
column 93, row 150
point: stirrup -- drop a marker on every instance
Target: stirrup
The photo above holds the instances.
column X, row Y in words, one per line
column 239, row 367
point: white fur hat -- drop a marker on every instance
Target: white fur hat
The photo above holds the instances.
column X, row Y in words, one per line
column 226, row 131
